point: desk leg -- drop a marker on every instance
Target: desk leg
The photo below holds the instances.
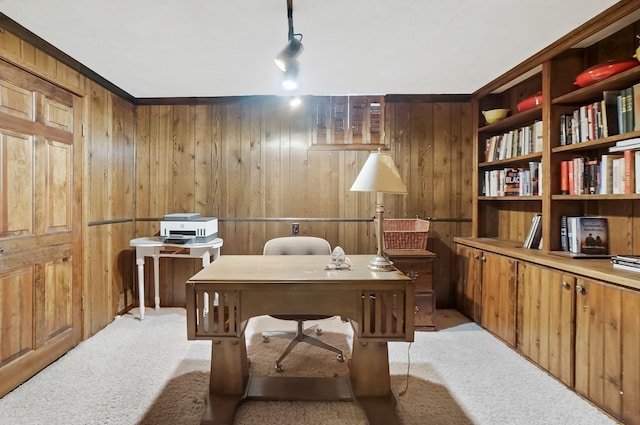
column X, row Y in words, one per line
column 371, row 382
column 156, row 280
column 140, row 264
column 228, row 381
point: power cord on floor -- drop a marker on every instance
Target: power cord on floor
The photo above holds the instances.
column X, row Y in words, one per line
column 406, row 386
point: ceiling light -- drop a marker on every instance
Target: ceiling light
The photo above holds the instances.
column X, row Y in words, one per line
column 289, row 54
column 290, row 80
column 286, row 60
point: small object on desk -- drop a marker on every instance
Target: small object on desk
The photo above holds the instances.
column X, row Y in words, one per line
column 338, row 260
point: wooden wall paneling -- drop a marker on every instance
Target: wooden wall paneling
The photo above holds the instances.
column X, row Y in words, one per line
column 122, row 160
column 442, row 192
column 97, row 294
column 143, row 170
column 203, row 160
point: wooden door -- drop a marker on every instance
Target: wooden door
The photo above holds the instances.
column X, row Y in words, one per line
column 468, row 286
column 499, row 275
column 40, row 239
column 608, row 348
column 545, row 329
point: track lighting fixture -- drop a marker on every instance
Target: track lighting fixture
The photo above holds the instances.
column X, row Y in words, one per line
column 286, row 60
column 289, row 54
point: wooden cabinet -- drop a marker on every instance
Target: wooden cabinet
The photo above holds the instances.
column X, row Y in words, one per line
column 545, row 319
column 468, row 281
column 574, row 318
column 499, row 296
column 486, row 290
column 607, row 348
column 418, row 264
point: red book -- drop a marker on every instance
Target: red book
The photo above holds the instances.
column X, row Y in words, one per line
column 629, row 175
column 564, row 177
column 572, row 190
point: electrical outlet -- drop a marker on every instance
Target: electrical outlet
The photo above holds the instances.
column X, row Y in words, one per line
column 295, row 228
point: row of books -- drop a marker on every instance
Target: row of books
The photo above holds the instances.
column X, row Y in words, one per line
column 584, row 235
column 513, row 181
column 534, row 236
column 614, row 173
column 517, row 142
column 617, row 113
column 626, row 262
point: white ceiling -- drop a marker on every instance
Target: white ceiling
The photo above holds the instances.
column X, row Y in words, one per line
column 202, row 48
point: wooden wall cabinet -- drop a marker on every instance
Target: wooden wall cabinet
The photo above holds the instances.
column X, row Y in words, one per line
column 418, row 265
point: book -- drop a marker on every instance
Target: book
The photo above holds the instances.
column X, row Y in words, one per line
column 615, row 260
column 628, row 258
column 564, row 242
column 606, row 173
column 626, row 267
column 535, row 233
column 629, row 169
column 588, row 235
column 635, row 106
column 636, row 162
column 564, row 177
column 511, row 182
column 610, row 113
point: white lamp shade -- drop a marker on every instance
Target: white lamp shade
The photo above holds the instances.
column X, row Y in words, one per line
column 379, row 174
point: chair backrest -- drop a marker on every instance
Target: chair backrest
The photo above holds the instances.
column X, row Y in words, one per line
column 297, row 245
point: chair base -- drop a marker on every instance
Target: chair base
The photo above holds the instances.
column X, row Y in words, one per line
column 301, row 335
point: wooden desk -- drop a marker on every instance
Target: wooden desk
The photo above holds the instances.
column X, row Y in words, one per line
column 224, row 295
column 155, row 247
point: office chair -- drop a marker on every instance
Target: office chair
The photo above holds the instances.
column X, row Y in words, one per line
column 299, row 245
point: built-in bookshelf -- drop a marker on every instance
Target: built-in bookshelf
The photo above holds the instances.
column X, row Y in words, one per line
column 580, row 129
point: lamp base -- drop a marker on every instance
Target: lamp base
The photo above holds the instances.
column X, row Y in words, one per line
column 381, row 264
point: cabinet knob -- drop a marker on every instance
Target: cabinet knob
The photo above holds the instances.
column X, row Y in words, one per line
column 483, row 259
column 417, row 309
column 1, row 250
column 565, row 285
column 476, row 256
column 580, row 289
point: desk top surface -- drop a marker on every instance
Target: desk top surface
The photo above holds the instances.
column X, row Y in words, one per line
column 157, row 241
column 290, row 268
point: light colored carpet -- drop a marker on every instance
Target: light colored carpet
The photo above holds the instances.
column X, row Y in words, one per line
column 146, row 372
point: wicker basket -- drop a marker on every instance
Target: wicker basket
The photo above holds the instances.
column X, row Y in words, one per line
column 405, row 233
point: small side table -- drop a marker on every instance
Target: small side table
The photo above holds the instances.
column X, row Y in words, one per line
column 418, row 265
column 155, row 247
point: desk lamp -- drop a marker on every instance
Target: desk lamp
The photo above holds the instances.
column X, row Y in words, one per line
column 379, row 174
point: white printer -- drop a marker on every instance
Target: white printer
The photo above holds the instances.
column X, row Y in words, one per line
column 188, row 227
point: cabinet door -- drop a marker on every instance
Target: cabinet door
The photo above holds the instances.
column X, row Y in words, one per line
column 545, row 325
column 499, row 296
column 608, row 348
column 468, row 267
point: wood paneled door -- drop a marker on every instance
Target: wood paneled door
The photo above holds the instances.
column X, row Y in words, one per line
column 40, row 225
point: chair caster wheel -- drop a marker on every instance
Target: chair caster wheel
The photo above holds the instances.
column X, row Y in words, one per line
column 340, row 358
column 265, row 339
column 319, row 331
column 279, row 368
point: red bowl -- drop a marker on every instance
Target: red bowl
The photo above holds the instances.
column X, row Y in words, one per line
column 530, row 102
column 604, row 70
